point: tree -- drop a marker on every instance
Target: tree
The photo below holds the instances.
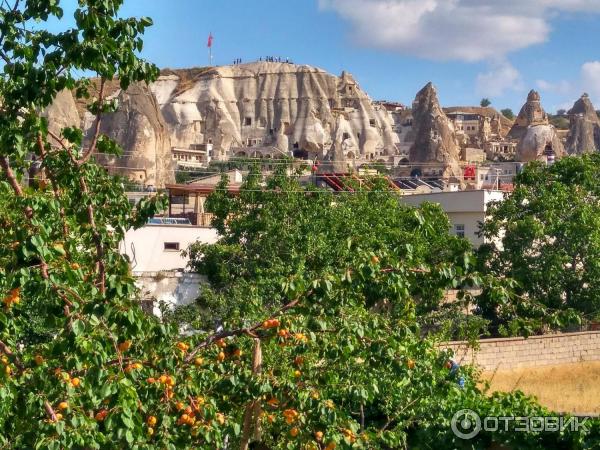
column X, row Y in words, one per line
column 93, row 371
column 485, row 102
column 269, row 238
column 550, row 244
column 561, row 112
column 371, row 267
column 508, row 113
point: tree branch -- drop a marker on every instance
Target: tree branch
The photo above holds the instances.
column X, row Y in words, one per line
column 8, row 352
column 241, row 331
column 90, row 151
column 50, row 411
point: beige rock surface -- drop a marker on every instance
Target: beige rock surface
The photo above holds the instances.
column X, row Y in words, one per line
column 435, row 141
column 288, row 106
column 584, row 129
column 534, row 132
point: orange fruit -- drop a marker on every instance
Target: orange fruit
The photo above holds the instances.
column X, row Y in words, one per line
column 198, row 361
column 179, row 406
column 411, row 364
column 319, row 436
column 124, row 346
column 63, row 405
column 39, row 360
column 75, row 382
column 151, row 421
column 221, row 357
column 182, row 346
column 294, row 432
column 220, row 418
column 297, row 373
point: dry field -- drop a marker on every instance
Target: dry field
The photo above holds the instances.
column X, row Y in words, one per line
column 573, row 388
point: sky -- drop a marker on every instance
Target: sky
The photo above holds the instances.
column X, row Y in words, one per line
column 469, row 49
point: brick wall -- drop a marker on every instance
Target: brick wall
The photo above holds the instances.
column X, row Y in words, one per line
column 511, row 353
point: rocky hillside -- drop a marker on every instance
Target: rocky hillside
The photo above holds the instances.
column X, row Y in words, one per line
column 584, row 129
column 284, row 106
column 500, row 124
column 267, row 110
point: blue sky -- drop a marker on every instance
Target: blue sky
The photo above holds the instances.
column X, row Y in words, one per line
column 468, row 48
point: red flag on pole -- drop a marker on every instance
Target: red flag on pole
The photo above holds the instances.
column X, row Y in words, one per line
column 210, row 39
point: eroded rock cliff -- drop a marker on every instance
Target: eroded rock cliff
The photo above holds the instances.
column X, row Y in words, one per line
column 584, row 130
column 435, row 141
column 292, row 108
column 533, row 132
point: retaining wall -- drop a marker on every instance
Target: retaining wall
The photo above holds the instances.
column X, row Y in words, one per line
column 546, row 350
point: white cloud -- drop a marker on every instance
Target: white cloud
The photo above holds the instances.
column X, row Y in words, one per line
column 569, row 90
column 590, row 79
column 466, row 30
column 562, row 87
column 502, row 76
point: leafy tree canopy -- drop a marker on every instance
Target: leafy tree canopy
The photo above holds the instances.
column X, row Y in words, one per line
column 508, row 113
column 485, row 102
column 550, row 243
column 320, row 370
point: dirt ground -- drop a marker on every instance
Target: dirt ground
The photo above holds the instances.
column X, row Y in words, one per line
column 572, row 388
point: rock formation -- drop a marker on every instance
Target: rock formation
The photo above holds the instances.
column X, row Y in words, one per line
column 435, row 141
column 138, row 126
column 533, row 132
column 584, row 130
column 288, row 108
column 62, row 113
column 267, row 110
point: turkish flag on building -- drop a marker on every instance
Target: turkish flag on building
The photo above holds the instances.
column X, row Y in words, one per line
column 210, row 39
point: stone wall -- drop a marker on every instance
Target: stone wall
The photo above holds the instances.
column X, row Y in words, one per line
column 512, row 353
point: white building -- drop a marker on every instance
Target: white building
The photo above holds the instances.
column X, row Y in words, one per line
column 465, row 209
column 155, row 252
column 158, row 247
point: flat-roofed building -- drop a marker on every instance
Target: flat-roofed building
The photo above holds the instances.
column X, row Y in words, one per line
column 465, row 209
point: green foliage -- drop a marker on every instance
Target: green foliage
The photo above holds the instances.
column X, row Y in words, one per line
column 560, row 122
column 283, row 236
column 485, row 102
column 84, row 368
column 508, row 113
column 550, row 246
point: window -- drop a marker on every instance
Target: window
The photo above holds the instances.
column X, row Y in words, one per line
column 372, row 122
column 248, row 121
column 345, row 136
column 296, row 145
column 459, row 230
column 171, row 246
